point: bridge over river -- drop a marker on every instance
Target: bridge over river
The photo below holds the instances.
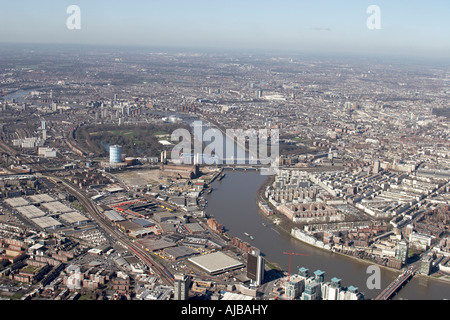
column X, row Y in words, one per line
column 395, row 286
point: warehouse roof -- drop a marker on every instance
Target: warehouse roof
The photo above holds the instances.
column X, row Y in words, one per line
column 235, row 296
column 179, row 252
column 113, row 215
column 194, row 227
column 40, row 198
column 129, row 226
column 17, row 202
column 73, row 217
column 143, row 222
column 154, row 245
column 56, row 207
column 31, row 211
column 46, row 222
column 217, row 262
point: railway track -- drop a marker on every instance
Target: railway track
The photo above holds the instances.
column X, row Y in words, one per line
column 95, row 214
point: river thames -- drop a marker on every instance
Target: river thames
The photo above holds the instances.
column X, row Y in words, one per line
column 233, row 203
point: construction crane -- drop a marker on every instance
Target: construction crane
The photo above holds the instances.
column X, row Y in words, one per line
column 290, row 256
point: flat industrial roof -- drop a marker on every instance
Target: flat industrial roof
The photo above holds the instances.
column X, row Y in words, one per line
column 180, row 252
column 164, row 214
column 73, row 217
column 216, row 262
column 143, row 222
column 129, row 225
column 17, row 202
column 168, row 226
column 40, row 198
column 154, row 245
column 140, row 232
column 235, row 296
column 114, row 189
column 56, row 207
column 113, row 215
column 46, row 222
column 194, row 227
column 31, row 211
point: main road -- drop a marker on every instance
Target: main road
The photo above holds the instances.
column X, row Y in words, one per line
column 103, row 223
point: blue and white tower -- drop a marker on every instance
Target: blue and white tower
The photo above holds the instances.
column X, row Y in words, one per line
column 115, row 154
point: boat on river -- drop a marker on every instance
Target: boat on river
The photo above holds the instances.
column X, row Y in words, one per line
column 251, row 237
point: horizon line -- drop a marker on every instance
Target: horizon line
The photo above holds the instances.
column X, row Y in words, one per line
column 236, row 50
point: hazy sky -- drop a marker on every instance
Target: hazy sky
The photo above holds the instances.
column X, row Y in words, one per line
column 407, row 26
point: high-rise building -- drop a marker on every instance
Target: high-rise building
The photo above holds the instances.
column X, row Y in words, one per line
column 319, row 276
column 376, row 166
column 312, row 290
column 181, row 287
column 115, row 154
column 335, row 282
column 332, row 290
column 352, row 293
column 295, row 286
column 425, row 265
column 303, row 272
column 401, row 252
column 255, row 267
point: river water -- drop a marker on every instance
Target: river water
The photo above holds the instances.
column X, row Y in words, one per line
column 233, row 203
column 19, row 95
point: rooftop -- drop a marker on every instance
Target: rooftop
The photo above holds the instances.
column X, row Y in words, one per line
column 216, row 262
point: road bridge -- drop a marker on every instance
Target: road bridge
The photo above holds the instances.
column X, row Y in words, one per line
column 395, row 286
